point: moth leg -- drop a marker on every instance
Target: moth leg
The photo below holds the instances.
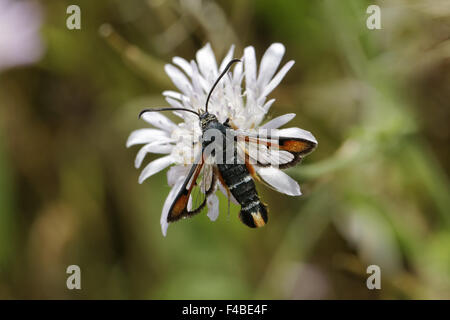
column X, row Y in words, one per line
column 251, row 169
column 228, row 212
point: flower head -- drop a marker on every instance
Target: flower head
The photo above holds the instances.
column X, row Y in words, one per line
column 20, row 42
column 246, row 107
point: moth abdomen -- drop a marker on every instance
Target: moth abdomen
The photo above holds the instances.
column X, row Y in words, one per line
column 254, row 214
column 240, row 183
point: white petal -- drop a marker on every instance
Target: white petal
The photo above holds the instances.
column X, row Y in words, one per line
column 155, row 166
column 174, row 103
column 269, row 63
column 280, row 181
column 174, row 95
column 267, row 105
column 183, row 64
column 277, row 79
column 206, row 62
column 178, row 79
column 297, row 133
column 278, row 121
column 141, row 136
column 237, row 74
column 154, row 147
column 251, row 88
column 169, row 200
column 250, row 67
column 213, row 206
column 227, row 58
column 175, row 172
column 199, row 83
column 160, row 121
column 158, row 148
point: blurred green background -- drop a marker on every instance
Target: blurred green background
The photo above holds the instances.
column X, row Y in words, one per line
column 376, row 191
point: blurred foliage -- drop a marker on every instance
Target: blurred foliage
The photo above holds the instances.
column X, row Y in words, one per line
column 376, row 191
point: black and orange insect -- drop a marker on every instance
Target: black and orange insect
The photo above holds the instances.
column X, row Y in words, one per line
column 236, row 177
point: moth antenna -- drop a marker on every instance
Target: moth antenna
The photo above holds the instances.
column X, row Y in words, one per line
column 218, row 79
column 166, row 109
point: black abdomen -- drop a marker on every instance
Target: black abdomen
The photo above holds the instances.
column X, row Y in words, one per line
column 236, row 176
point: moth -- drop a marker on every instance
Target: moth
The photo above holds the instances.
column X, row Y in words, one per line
column 236, row 173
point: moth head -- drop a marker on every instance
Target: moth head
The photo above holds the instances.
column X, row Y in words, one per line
column 206, row 118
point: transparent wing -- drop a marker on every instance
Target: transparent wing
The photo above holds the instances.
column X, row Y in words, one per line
column 277, row 148
column 202, row 188
column 191, row 198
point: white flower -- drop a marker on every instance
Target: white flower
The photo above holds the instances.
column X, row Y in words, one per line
column 246, row 108
column 20, row 41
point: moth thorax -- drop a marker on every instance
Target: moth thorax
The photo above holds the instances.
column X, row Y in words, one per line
column 206, row 119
